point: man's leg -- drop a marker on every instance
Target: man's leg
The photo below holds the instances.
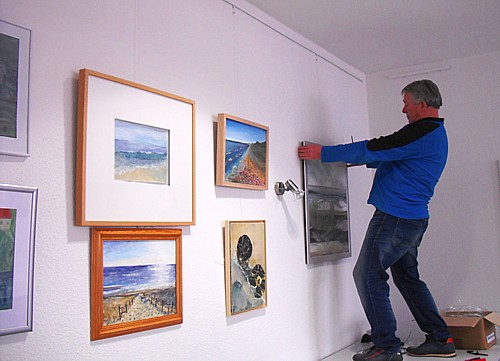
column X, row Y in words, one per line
column 418, row 297
column 387, row 239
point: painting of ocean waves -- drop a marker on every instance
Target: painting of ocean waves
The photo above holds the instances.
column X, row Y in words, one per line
column 141, row 153
column 128, row 279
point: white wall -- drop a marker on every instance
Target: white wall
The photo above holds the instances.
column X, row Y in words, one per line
column 227, row 62
column 459, row 258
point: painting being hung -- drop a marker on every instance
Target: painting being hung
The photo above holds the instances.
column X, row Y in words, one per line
column 242, row 153
column 245, row 266
column 326, row 209
column 136, row 279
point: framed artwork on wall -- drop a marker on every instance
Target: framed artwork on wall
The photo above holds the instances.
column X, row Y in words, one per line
column 14, row 81
column 135, row 154
column 326, row 209
column 18, row 210
column 245, row 266
column 136, row 280
column 242, row 153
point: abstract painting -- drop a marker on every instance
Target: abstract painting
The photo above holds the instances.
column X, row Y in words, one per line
column 245, row 266
column 141, row 153
column 326, row 209
column 14, row 75
column 136, row 280
column 18, row 208
column 242, row 153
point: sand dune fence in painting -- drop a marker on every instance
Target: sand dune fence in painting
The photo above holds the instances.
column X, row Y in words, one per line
column 141, row 153
column 246, row 150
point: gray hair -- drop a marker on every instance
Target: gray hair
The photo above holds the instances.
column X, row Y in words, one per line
column 424, row 91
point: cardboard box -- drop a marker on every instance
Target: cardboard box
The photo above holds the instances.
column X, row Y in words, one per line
column 473, row 332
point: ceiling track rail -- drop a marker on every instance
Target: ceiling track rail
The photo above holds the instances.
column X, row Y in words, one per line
column 292, row 40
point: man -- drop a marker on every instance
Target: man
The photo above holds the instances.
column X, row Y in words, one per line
column 408, row 165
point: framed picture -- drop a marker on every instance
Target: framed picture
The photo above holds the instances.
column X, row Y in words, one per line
column 136, row 280
column 18, row 208
column 245, row 266
column 14, row 80
column 135, row 154
column 242, row 153
column 326, row 209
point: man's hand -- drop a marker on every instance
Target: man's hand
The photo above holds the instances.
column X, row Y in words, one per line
column 311, row 151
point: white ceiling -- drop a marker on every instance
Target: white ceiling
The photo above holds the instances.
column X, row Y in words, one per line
column 377, row 35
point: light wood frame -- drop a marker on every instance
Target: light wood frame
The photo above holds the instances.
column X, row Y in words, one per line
column 16, row 313
column 245, row 266
column 150, row 244
column 102, row 200
column 17, row 37
column 253, row 138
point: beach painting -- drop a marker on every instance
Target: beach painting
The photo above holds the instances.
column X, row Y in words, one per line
column 245, row 266
column 242, row 159
column 137, row 280
column 141, row 153
column 326, row 209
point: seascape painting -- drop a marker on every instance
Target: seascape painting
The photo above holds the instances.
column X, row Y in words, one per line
column 141, row 153
column 9, row 60
column 326, row 211
column 7, row 246
column 139, row 280
column 245, row 264
column 242, row 159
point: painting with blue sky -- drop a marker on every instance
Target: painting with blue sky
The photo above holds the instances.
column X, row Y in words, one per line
column 137, row 274
column 246, row 153
column 141, row 153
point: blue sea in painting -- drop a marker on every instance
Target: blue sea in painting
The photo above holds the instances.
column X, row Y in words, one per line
column 128, row 159
column 124, row 279
column 235, row 153
column 141, row 153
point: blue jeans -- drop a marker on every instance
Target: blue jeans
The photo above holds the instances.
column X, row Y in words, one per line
column 393, row 242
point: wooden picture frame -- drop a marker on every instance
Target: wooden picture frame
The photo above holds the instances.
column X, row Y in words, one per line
column 136, row 280
column 242, row 153
column 135, row 161
column 245, row 266
column 14, row 89
column 18, row 211
column 326, row 210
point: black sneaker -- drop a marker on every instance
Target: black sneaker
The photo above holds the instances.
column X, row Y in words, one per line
column 432, row 348
column 377, row 354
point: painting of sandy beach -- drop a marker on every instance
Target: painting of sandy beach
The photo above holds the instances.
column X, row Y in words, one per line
column 141, row 153
column 136, row 280
column 139, row 280
column 243, row 153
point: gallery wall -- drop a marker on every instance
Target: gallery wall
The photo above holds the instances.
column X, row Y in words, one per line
column 227, row 59
column 459, row 255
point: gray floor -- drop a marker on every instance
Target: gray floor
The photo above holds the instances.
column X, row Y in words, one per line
column 462, row 355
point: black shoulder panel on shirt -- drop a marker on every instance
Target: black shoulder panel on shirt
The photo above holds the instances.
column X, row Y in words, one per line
column 402, row 137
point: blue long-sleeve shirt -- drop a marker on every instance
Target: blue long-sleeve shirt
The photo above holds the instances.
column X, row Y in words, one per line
column 409, row 163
